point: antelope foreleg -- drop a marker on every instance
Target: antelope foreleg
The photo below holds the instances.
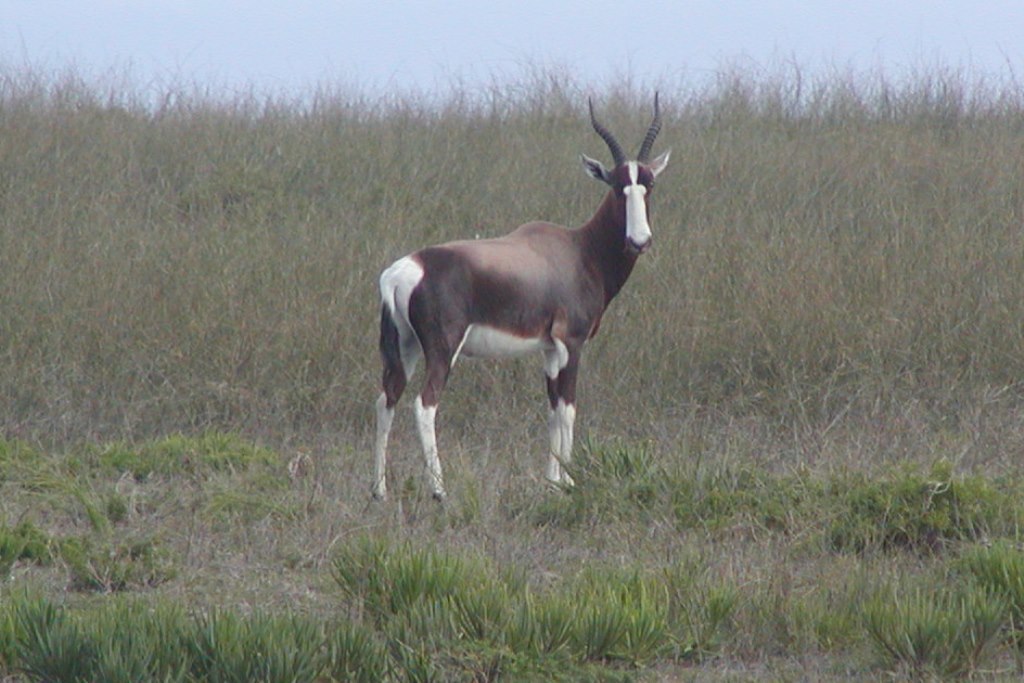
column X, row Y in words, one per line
column 561, row 365
column 560, row 433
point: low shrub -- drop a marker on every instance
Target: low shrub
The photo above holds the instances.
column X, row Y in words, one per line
column 917, row 512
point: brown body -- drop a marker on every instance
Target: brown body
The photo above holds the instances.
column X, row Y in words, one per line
column 541, row 281
column 542, row 288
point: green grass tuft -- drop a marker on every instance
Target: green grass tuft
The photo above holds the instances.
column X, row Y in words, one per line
column 430, row 603
column 201, row 455
column 999, row 569
column 930, row 633
column 114, row 566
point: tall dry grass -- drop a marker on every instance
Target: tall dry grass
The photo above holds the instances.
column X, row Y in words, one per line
column 825, row 249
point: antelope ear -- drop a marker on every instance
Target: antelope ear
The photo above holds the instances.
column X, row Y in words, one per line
column 660, row 162
column 595, row 169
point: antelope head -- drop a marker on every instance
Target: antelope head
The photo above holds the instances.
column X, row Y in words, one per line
column 631, row 181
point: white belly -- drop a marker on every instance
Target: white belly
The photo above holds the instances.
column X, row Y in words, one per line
column 481, row 341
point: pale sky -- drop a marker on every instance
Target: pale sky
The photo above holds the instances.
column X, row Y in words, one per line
column 384, row 46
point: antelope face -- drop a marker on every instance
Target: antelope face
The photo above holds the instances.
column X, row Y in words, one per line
column 639, row 181
column 631, row 180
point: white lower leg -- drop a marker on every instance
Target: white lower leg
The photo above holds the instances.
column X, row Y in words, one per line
column 385, row 416
column 567, row 414
column 560, row 426
column 425, row 425
column 554, row 474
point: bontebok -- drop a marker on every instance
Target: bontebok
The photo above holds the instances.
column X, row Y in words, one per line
column 541, row 288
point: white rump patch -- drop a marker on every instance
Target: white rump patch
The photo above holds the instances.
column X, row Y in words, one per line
column 396, row 285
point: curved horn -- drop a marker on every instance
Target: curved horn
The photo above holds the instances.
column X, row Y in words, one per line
column 613, row 145
column 652, row 132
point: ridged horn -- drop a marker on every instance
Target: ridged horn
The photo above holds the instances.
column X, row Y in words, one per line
column 652, row 132
column 613, row 145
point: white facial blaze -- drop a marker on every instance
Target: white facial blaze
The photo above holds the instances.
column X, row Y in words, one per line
column 638, row 230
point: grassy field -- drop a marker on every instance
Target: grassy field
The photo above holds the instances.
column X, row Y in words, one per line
column 800, row 429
